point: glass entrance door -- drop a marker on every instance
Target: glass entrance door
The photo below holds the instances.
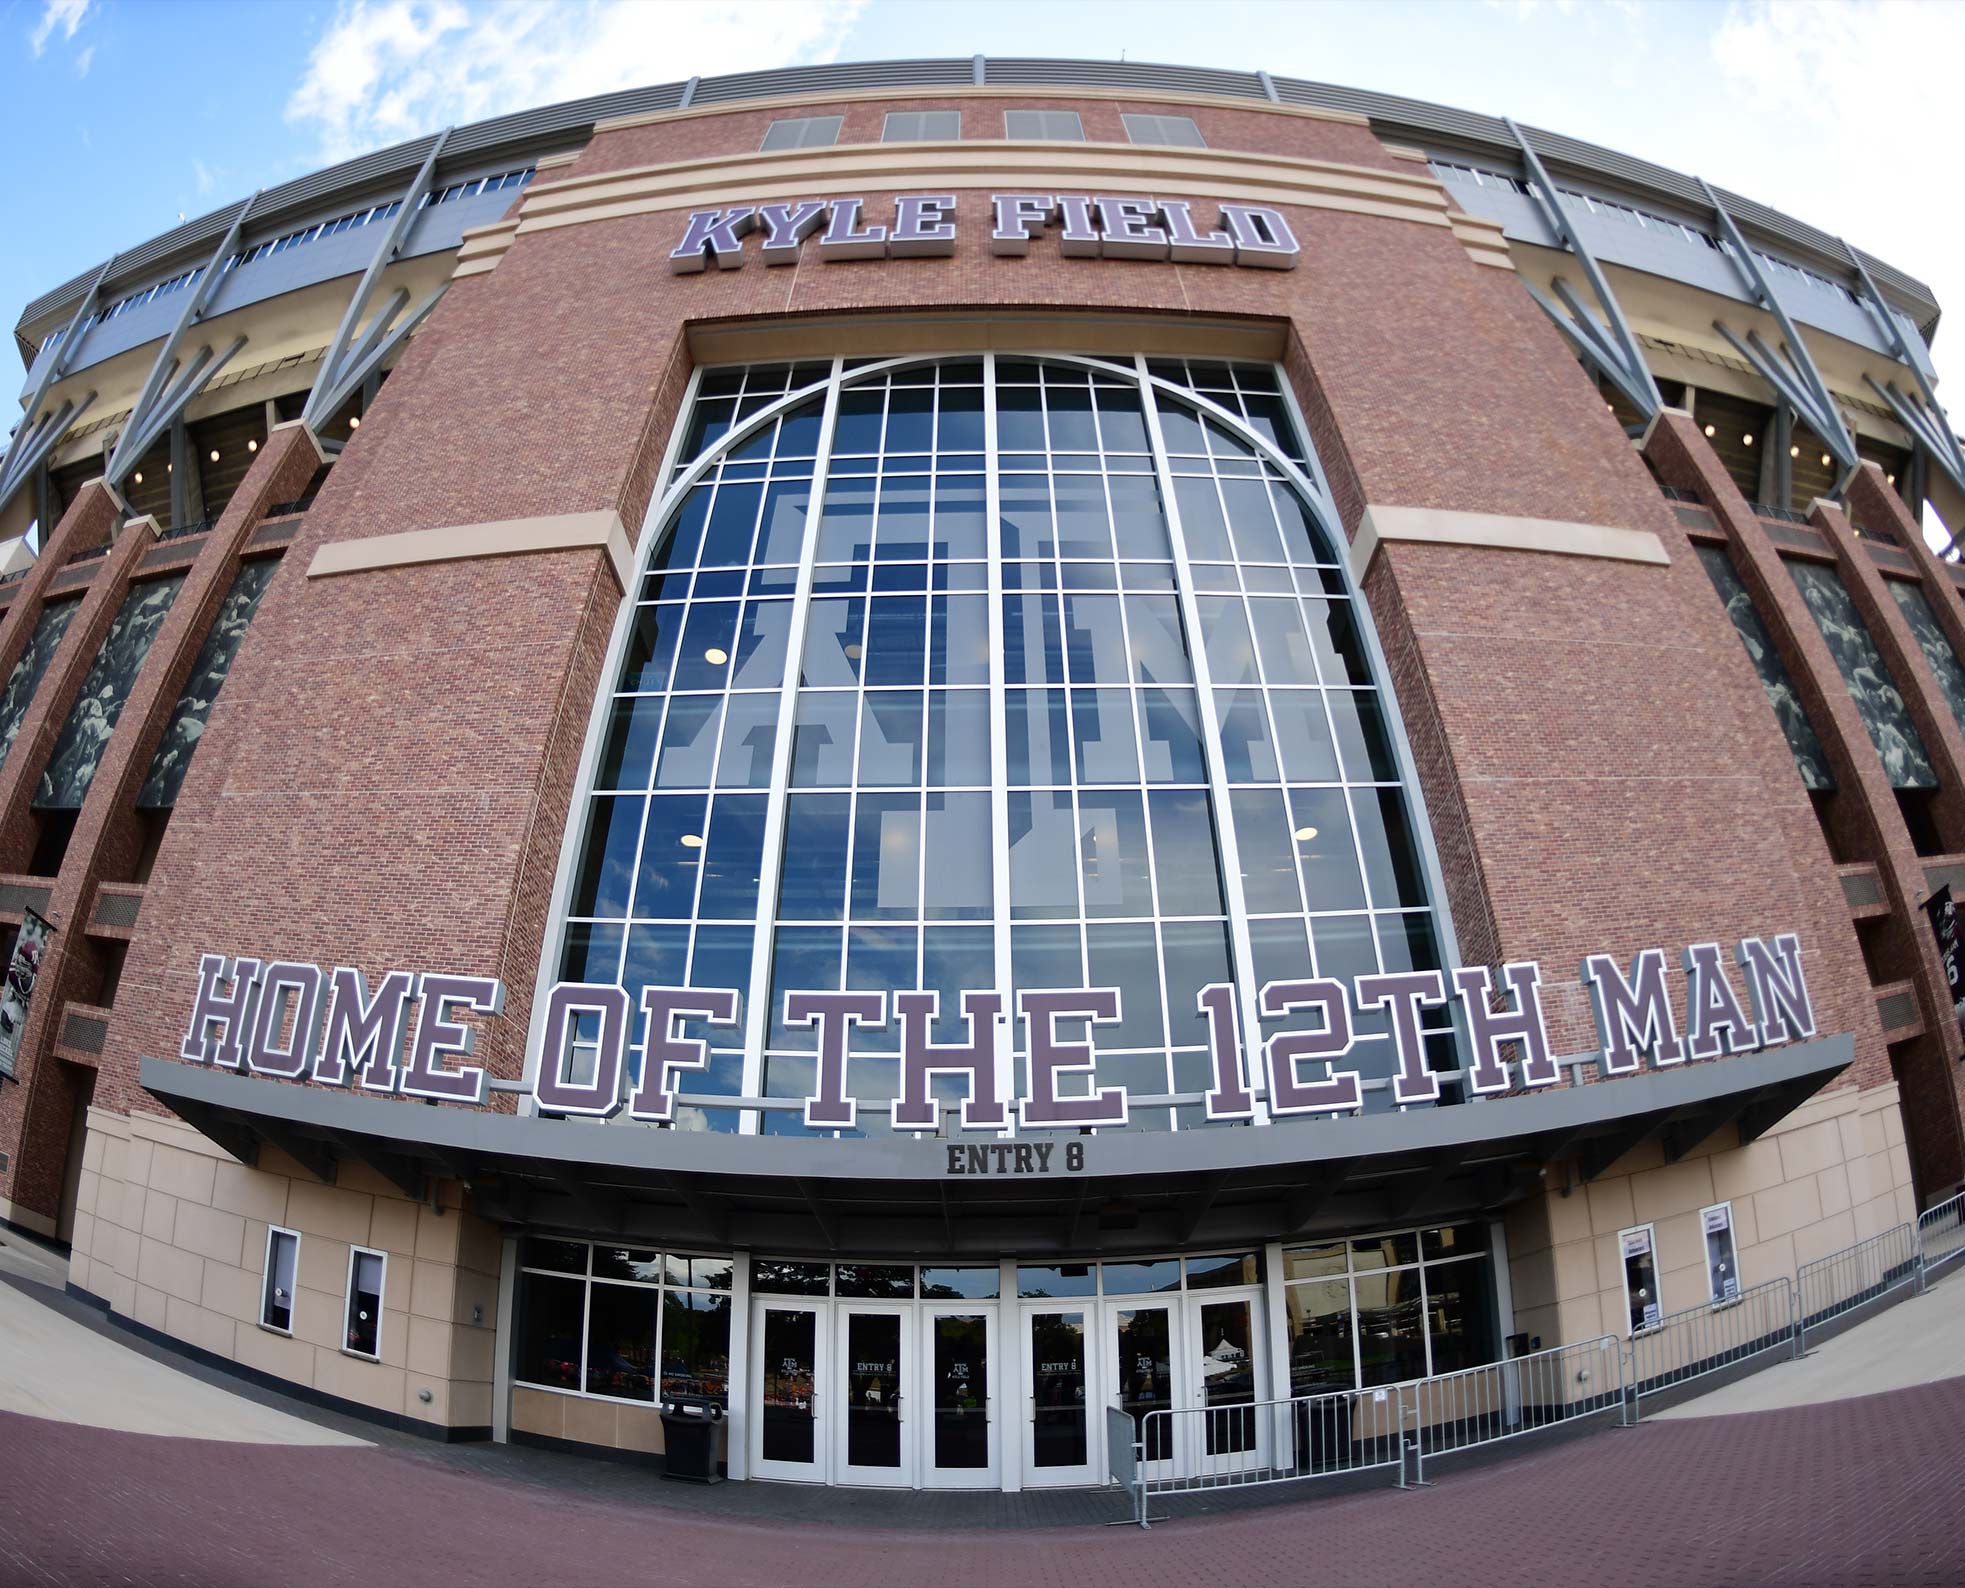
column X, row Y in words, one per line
column 960, row 1448
column 1221, row 1354
column 1062, row 1432
column 1140, row 1357
column 873, row 1435
column 788, row 1438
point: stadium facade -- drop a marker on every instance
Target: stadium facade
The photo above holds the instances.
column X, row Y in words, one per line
column 921, row 748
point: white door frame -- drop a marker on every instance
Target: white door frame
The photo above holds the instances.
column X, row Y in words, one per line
column 1172, row 1302
column 1093, row 1471
column 901, row 1476
column 820, row 1468
column 928, row 1475
column 1190, row 1452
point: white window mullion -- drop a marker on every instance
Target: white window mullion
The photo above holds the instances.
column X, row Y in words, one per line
column 999, row 743
column 757, row 1012
column 1242, row 954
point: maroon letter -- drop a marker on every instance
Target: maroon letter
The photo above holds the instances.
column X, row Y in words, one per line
column 600, row 1095
column 829, row 1108
column 922, row 1060
column 1050, row 1058
column 664, row 1052
column 1341, row 1091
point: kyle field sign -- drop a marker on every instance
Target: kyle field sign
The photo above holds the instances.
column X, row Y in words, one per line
column 409, row 1034
column 922, row 225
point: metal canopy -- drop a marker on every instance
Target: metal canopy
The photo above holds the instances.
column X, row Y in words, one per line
column 894, row 1196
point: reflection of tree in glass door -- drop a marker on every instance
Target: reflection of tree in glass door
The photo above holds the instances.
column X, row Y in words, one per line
column 1143, row 1341
column 961, row 1391
column 1057, row 1385
column 790, row 1361
column 1227, row 1369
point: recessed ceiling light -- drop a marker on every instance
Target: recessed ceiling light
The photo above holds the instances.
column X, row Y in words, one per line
column 715, row 656
column 1825, row 460
column 692, row 840
column 354, row 424
column 252, row 446
column 1305, row 834
column 139, row 476
column 1709, row 429
column 214, row 454
column 1794, row 452
column 1747, row 439
column 852, row 653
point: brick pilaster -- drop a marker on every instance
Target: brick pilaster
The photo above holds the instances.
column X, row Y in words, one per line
column 1869, row 821
column 108, row 839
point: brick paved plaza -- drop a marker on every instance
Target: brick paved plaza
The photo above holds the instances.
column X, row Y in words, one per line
column 1855, row 1491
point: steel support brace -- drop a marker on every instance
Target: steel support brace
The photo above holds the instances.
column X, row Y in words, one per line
column 347, row 360
column 155, row 408
column 1611, row 349
column 1792, row 372
column 37, row 437
column 1925, row 419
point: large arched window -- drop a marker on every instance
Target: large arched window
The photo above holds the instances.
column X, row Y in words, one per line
column 995, row 671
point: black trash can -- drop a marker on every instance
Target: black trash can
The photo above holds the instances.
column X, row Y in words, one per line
column 690, row 1425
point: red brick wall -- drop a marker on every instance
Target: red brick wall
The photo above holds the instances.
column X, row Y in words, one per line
column 388, row 772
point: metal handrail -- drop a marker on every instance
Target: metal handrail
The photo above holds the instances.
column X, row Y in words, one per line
column 1827, row 1287
column 1784, row 514
column 1941, row 1234
column 1183, row 1449
column 1678, row 493
column 87, row 554
column 1455, row 1412
column 1695, row 1341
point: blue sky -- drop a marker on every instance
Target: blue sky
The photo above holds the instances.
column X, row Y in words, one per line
column 126, row 114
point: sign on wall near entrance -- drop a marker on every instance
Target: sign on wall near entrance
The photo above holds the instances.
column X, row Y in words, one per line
column 409, row 1035
column 923, row 225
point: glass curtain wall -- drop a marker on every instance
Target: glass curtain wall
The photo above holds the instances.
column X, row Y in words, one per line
column 1001, row 758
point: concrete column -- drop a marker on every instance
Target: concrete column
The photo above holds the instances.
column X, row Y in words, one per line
column 1009, row 1409
column 740, row 1412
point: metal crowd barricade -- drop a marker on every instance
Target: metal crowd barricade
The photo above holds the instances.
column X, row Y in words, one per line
column 1843, row 1281
column 1477, row 1406
column 1689, row 1344
column 1941, row 1234
column 1183, row 1449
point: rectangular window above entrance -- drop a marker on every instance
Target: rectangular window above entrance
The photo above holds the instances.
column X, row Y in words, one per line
column 802, row 132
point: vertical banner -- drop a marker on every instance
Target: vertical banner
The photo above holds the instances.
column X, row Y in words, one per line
column 1640, row 1278
column 22, row 973
column 1722, row 1262
column 1945, row 927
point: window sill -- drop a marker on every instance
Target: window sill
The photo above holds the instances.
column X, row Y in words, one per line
column 274, row 1328
column 360, row 1356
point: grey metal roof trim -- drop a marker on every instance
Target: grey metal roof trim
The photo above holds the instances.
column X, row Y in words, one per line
column 552, row 128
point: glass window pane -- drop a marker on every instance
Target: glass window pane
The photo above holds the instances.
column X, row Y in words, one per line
column 1102, row 736
column 1026, row 498
column 1335, row 637
column 1196, row 954
column 732, row 858
column 621, row 1342
column 1084, row 527
column 822, row 745
column 1321, row 1346
column 1112, row 836
column 958, row 738
column 549, row 1329
column 696, row 1345
column 952, row 960
column 671, row 857
column 1321, row 830
column 958, row 883
column 607, row 865
column 1124, row 955
column 896, row 640
column 1231, row 652
column 1267, row 851
column 833, row 643
column 1159, row 650
column 802, row 958
column 1391, row 1327
column 785, row 503
column 1043, row 855
column 689, row 740
column 1201, row 522
column 1248, row 753
column 891, row 738
column 1033, row 650
column 1251, row 522
column 1170, row 721
column 750, row 729
column 887, row 857
column 1361, row 736
column 1344, row 946
column 1391, row 858
column 732, row 525
column 1303, row 736
column 1282, row 642
column 1139, row 522
column 629, row 749
column 1460, row 1322
column 812, row 884
column 958, row 640
column 651, row 649
column 1036, row 725
column 1184, row 861
column 761, row 645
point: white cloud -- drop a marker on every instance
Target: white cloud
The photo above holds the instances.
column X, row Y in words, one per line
column 203, row 175
column 64, row 14
column 386, row 70
column 85, row 60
